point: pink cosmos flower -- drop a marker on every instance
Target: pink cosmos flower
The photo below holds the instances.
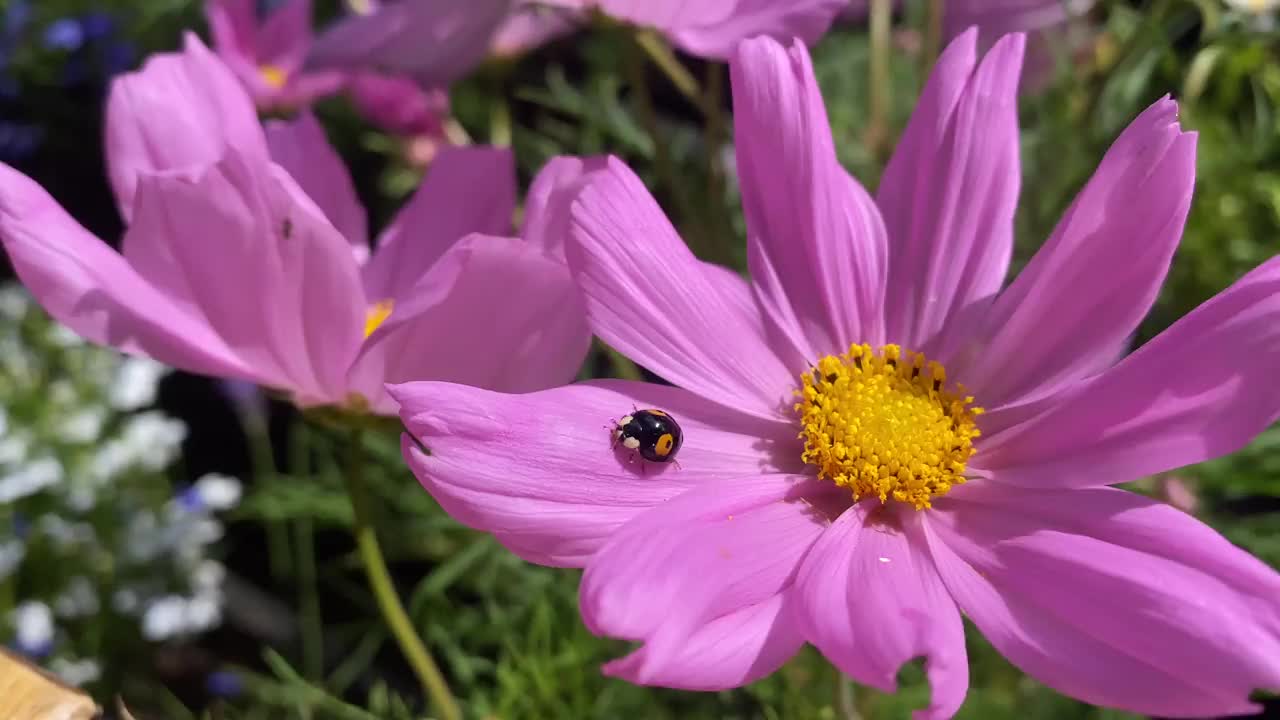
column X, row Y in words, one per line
column 398, row 104
column 711, row 28
column 878, row 434
column 1049, row 22
column 433, row 41
column 267, row 53
column 532, row 23
column 246, row 254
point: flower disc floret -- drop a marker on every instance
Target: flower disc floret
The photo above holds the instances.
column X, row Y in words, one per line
column 886, row 424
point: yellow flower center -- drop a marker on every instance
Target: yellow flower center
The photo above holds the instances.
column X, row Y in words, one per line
column 886, row 424
column 274, row 76
column 377, row 314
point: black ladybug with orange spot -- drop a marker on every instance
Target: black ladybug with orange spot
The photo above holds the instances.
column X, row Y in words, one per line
column 652, row 433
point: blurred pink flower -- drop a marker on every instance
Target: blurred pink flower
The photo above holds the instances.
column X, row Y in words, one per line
column 1048, row 22
column 530, row 24
column 433, row 41
column 711, row 28
column 399, row 105
column 267, row 53
column 995, row 18
column 246, row 254
column 838, row 488
column 1178, row 492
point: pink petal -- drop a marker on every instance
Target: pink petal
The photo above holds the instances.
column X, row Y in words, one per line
column 546, row 210
column 531, row 25
column 662, row 14
column 537, row 470
column 1085, row 594
column 467, row 190
column 713, row 28
column 870, row 599
column 284, row 37
column 181, row 110
column 233, row 25
column 725, row 546
column 949, row 194
column 398, row 104
column 303, row 89
column 302, row 148
column 493, row 312
column 243, row 247
column 1071, row 311
column 729, row 651
column 1201, row 389
column 804, row 20
column 997, row 17
column 436, row 41
column 88, row 287
column 651, row 299
column 818, row 248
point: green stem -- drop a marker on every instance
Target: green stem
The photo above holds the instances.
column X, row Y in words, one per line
column 878, row 112
column 623, row 367
column 661, row 55
column 304, row 543
column 263, row 460
column 846, row 698
column 500, row 121
column 384, row 589
column 932, row 34
column 309, row 601
column 715, row 135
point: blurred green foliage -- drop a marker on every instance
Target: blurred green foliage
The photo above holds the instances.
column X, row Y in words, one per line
column 508, row 633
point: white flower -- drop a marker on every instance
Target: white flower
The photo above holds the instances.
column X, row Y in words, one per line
column 84, row 426
column 14, row 301
column 12, row 551
column 14, row 448
column 208, row 576
column 76, row 672
column 62, row 393
column 218, row 492
column 33, row 627
column 164, row 618
column 65, row 535
column 204, row 612
column 173, row 616
column 30, row 479
column 150, row 440
column 79, row 599
column 136, row 383
column 64, row 337
column 1257, row 7
column 126, row 601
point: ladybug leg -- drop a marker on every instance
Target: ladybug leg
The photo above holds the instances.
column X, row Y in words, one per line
column 676, row 463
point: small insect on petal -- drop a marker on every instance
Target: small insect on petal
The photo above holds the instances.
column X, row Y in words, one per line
column 654, row 434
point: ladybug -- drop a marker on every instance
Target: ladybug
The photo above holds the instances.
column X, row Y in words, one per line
column 652, row 433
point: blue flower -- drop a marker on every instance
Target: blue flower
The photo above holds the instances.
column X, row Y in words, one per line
column 224, row 684
column 66, row 34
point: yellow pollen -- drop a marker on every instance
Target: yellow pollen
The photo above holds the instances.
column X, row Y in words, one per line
column 273, row 76
column 377, row 314
column 886, row 424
